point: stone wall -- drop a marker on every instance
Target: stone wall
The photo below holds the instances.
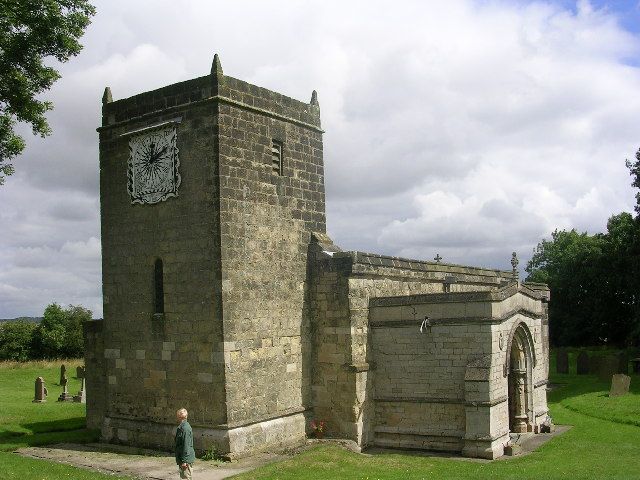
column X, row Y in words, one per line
column 266, row 220
column 342, row 286
column 446, row 387
column 154, row 364
column 95, row 381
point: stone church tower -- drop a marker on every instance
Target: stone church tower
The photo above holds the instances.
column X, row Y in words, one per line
column 223, row 294
column 210, row 190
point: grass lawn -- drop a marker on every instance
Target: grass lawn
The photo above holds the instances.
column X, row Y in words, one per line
column 24, row 423
column 604, row 442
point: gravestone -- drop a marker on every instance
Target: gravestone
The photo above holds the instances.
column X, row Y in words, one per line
column 594, row 364
column 619, row 385
column 80, row 372
column 81, row 397
column 65, row 396
column 562, row 361
column 582, row 364
column 41, row 391
column 63, row 373
column 636, row 365
column 623, row 363
column 607, row 366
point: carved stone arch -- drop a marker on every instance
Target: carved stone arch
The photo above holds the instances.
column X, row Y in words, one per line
column 524, row 334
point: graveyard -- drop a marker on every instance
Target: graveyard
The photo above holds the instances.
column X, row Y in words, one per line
column 602, row 442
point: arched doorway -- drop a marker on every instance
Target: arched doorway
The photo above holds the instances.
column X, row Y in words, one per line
column 520, row 361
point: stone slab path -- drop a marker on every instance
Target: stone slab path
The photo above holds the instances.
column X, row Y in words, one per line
column 154, row 465
column 140, row 463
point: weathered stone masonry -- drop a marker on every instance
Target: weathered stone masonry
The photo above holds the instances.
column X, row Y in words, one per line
column 264, row 322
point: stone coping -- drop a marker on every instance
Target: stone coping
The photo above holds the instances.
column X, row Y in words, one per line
column 448, row 321
column 456, row 297
column 374, row 259
column 214, row 98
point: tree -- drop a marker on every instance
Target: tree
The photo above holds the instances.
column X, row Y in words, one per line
column 59, row 334
column 32, row 31
column 73, row 346
column 634, row 171
column 16, row 339
column 49, row 337
column 570, row 263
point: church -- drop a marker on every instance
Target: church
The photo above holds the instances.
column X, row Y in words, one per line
column 223, row 294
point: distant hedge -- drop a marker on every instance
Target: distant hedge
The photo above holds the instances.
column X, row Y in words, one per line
column 58, row 335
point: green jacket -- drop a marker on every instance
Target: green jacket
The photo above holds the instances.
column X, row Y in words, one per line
column 184, row 444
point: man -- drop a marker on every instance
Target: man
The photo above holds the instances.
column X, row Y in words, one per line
column 185, row 455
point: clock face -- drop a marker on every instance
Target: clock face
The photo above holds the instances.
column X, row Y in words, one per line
column 153, row 166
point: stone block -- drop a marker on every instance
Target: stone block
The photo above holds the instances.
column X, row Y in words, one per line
column 582, row 363
column 205, row 377
column 512, row 450
column 619, row 385
column 607, row 367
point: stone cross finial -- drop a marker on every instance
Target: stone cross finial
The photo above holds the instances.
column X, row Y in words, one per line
column 514, row 265
column 437, row 258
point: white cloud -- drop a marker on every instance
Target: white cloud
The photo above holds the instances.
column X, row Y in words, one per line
column 469, row 129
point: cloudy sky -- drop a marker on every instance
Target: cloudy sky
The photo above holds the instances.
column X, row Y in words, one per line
column 465, row 128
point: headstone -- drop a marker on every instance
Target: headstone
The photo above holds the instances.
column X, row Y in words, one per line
column 65, row 396
column 80, row 372
column 562, row 361
column 63, row 373
column 594, row 364
column 619, row 385
column 41, row 391
column 623, row 363
column 636, row 365
column 582, row 364
column 81, row 397
column 607, row 366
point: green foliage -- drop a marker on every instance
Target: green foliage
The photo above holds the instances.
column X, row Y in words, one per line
column 30, row 32
column 634, row 170
column 15, row 340
column 58, row 335
column 594, row 280
column 49, row 336
column 212, row 455
column 73, row 345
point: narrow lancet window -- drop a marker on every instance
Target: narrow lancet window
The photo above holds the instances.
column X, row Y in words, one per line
column 158, row 287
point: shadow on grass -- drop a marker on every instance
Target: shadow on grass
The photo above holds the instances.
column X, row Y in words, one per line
column 63, row 425
column 40, row 433
column 566, row 386
column 9, row 443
